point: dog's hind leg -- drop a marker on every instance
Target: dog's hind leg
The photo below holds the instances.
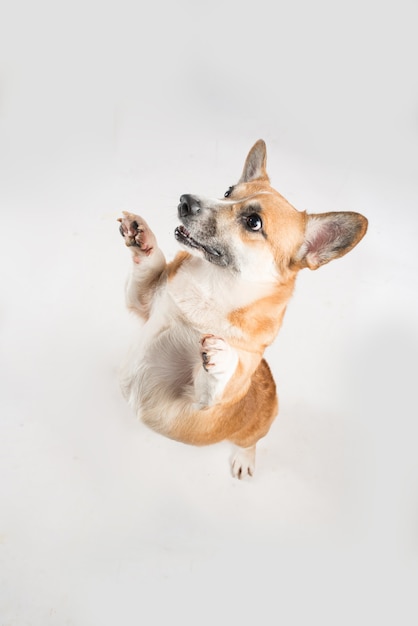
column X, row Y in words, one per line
column 148, row 263
column 255, row 412
column 243, row 463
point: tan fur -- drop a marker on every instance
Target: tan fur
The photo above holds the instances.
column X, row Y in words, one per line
column 197, row 373
column 173, row 267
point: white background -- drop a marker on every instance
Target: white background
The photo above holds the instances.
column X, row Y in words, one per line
column 126, row 105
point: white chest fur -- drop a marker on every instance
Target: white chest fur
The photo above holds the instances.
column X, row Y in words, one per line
column 205, row 294
column 196, row 301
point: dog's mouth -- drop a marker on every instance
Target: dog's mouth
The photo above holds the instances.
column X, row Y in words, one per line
column 183, row 236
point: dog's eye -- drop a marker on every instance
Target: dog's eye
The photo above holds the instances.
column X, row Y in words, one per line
column 254, row 222
column 228, row 192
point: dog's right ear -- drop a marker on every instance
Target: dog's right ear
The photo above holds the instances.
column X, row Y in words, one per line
column 255, row 164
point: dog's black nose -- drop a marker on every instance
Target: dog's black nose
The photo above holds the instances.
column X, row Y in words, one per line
column 189, row 205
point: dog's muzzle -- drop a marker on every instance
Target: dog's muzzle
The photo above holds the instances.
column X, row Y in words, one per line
column 189, row 205
column 199, row 230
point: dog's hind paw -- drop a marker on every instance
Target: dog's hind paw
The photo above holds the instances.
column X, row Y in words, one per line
column 243, row 463
column 137, row 234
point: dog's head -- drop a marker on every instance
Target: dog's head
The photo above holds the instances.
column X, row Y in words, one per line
column 255, row 231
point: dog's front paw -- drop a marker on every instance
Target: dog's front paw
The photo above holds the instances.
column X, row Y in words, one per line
column 137, row 234
column 219, row 361
column 217, row 356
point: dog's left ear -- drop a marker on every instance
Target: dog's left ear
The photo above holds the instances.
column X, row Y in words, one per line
column 329, row 236
column 255, row 164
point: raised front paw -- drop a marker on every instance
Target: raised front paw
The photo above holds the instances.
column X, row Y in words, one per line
column 217, row 356
column 212, row 351
column 136, row 233
column 219, row 361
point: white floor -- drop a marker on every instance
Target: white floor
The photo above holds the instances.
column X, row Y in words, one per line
column 110, row 107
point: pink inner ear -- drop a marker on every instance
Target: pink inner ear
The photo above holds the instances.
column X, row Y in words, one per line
column 330, row 235
column 325, row 234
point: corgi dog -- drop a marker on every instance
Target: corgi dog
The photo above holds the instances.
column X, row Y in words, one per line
column 196, row 373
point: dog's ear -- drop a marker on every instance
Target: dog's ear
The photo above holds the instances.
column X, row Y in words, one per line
column 329, row 236
column 255, row 164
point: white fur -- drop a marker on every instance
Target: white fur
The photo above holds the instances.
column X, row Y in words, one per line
column 243, row 463
column 210, row 381
column 218, row 203
column 165, row 361
column 206, row 293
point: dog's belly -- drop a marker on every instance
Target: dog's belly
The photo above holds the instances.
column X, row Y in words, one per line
column 168, row 363
column 158, row 376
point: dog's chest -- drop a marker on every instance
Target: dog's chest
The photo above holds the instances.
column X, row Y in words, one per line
column 203, row 306
column 208, row 295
